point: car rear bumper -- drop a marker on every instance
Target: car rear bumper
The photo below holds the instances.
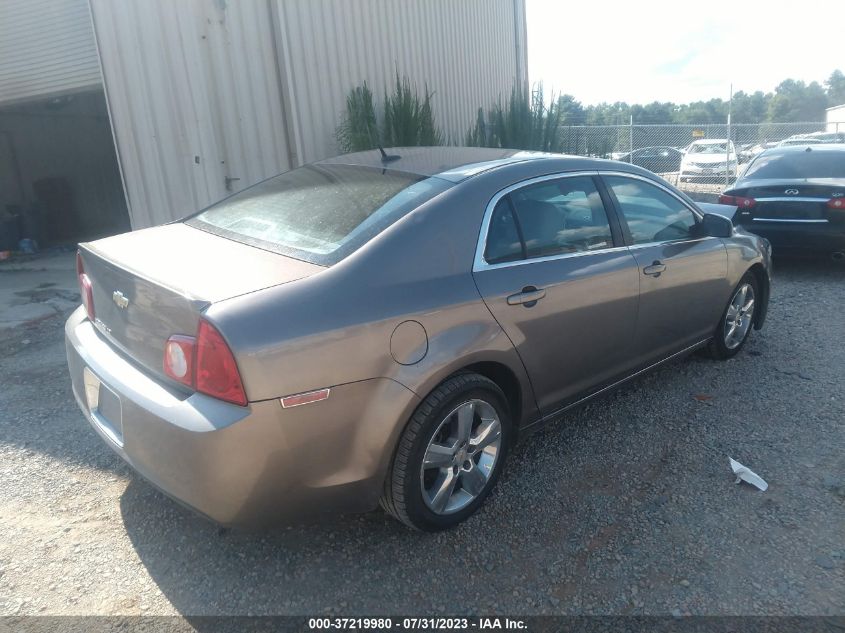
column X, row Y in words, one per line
column 253, row 465
column 800, row 238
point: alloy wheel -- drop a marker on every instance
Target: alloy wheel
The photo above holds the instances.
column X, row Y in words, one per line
column 739, row 316
column 460, row 457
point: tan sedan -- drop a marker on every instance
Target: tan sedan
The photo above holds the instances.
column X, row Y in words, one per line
column 362, row 331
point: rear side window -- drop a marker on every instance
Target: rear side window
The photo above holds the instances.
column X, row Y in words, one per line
column 652, row 214
column 804, row 164
column 503, row 241
column 557, row 217
column 319, row 213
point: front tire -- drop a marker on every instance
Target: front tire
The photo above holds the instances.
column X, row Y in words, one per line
column 450, row 455
column 737, row 320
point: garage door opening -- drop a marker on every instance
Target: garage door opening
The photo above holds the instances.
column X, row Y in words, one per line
column 59, row 178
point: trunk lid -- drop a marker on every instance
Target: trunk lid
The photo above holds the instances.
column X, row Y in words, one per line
column 153, row 283
column 785, row 200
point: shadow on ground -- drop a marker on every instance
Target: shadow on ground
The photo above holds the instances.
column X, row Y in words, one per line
column 625, row 506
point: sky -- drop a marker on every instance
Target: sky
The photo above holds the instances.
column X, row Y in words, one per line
column 680, row 51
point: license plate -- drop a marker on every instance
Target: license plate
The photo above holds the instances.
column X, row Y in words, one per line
column 104, row 407
column 708, row 171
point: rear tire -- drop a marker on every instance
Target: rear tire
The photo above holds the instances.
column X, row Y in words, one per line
column 737, row 320
column 450, row 455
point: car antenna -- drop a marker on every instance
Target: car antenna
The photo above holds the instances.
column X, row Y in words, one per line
column 809, row 149
column 387, row 158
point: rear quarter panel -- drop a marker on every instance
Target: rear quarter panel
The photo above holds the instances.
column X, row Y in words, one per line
column 335, row 327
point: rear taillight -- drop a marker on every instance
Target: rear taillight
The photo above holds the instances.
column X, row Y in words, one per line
column 739, row 202
column 836, row 203
column 205, row 363
column 86, row 290
column 217, row 373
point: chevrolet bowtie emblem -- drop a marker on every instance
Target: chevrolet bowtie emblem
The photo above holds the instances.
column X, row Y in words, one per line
column 119, row 299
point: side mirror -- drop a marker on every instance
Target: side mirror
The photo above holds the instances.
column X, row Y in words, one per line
column 715, row 225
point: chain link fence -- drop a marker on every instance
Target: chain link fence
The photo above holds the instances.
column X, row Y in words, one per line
column 694, row 157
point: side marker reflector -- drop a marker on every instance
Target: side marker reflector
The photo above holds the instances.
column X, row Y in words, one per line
column 304, row 398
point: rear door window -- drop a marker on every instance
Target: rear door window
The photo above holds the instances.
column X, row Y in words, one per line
column 561, row 216
column 503, row 241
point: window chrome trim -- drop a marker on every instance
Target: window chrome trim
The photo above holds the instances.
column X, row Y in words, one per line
column 792, row 199
column 479, row 263
column 548, row 258
column 790, row 220
column 691, row 240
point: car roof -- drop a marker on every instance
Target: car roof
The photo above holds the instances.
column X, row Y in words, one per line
column 813, row 147
column 450, row 163
column 709, row 141
column 457, row 164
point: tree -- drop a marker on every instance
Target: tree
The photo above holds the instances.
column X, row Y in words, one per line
column 796, row 101
column 571, row 111
column 656, row 113
column 835, row 85
column 750, row 108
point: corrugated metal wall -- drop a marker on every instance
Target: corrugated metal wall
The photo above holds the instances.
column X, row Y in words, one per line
column 46, row 47
column 469, row 52
column 195, row 100
column 204, row 90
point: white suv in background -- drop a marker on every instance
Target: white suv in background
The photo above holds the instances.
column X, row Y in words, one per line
column 708, row 158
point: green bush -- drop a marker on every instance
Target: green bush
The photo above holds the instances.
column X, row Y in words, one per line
column 523, row 122
column 358, row 129
column 407, row 119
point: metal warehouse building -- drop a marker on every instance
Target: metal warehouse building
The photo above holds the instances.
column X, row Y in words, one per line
column 136, row 112
column 835, row 118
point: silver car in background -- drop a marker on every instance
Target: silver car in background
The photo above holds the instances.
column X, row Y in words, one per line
column 363, row 331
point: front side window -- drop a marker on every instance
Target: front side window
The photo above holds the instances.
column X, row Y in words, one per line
column 557, row 217
column 319, row 213
column 653, row 215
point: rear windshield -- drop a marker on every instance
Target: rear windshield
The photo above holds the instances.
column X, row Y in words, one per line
column 319, row 213
column 812, row 164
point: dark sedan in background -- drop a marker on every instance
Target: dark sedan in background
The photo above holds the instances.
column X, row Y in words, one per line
column 660, row 160
column 795, row 197
column 363, row 330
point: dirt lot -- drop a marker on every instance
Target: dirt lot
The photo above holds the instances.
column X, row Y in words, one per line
column 626, row 506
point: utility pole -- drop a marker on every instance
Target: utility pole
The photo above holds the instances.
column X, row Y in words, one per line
column 728, row 144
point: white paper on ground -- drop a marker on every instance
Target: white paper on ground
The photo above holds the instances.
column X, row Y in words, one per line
column 745, row 474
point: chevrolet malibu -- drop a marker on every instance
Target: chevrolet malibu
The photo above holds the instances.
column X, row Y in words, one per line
column 379, row 328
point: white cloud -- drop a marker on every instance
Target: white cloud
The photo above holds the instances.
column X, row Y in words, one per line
column 660, row 50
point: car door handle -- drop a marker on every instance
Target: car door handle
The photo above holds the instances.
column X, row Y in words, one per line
column 655, row 269
column 528, row 297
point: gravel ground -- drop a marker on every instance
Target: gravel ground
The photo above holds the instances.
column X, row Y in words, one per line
column 626, row 506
